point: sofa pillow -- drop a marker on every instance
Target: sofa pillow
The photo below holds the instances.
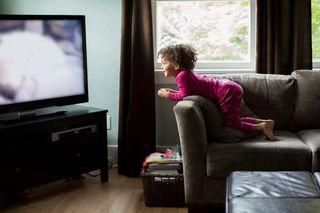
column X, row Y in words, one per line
column 216, row 131
column 307, row 92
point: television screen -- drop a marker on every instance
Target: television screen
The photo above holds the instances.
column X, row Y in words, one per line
column 42, row 61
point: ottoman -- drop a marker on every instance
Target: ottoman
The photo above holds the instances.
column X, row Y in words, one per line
column 281, row 191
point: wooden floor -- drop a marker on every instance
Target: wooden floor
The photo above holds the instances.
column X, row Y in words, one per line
column 88, row 195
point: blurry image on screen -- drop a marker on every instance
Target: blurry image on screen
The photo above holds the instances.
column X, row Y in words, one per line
column 40, row 59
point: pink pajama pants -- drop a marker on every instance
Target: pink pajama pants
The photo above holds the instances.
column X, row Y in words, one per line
column 229, row 97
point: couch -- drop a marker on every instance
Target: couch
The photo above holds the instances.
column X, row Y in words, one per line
column 292, row 101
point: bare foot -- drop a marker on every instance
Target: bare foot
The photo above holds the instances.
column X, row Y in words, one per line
column 267, row 129
column 270, row 125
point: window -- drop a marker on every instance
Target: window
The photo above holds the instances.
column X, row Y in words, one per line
column 223, row 32
column 315, row 4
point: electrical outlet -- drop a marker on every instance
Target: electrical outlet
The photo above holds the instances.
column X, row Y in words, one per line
column 108, row 122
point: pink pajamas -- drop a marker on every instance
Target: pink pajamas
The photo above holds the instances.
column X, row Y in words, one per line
column 225, row 93
column 229, row 99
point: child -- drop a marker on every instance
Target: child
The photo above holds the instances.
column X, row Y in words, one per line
column 179, row 61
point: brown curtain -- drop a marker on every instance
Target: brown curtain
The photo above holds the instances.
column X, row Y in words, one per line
column 283, row 36
column 137, row 92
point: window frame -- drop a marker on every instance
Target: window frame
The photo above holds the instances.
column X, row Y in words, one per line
column 216, row 67
column 315, row 62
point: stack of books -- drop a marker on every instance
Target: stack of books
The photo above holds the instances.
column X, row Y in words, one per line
column 167, row 163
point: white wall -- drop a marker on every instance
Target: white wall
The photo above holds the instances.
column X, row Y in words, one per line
column 103, row 26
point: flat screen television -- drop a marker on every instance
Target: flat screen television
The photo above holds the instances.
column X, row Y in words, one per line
column 42, row 61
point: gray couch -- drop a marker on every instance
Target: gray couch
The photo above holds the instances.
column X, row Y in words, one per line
column 292, row 101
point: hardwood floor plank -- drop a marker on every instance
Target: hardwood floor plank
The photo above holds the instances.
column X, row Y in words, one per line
column 119, row 195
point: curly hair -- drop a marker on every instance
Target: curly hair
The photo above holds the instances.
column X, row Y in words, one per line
column 182, row 54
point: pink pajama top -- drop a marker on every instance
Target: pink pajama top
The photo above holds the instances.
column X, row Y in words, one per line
column 190, row 83
column 223, row 92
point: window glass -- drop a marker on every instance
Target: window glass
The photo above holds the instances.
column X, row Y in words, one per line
column 316, row 32
column 221, row 31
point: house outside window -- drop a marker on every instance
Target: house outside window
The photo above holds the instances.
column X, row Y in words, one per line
column 222, row 32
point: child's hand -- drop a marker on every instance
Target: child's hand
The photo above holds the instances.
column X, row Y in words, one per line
column 163, row 93
column 169, row 90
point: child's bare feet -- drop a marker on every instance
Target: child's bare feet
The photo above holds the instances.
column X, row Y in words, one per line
column 267, row 129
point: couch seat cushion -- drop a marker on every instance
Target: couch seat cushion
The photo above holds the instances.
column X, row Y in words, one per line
column 287, row 153
column 311, row 137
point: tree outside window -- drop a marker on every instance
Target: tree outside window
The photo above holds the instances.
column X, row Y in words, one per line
column 316, row 31
column 219, row 30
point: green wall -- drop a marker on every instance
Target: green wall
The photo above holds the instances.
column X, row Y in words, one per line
column 103, row 26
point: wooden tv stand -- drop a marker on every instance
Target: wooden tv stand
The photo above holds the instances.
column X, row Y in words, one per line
column 45, row 149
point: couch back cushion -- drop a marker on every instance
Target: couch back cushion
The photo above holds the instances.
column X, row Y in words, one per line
column 268, row 96
column 307, row 91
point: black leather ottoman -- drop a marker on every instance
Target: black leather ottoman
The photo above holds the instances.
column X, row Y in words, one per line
column 295, row 191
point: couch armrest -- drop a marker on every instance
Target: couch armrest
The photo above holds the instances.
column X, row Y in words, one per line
column 193, row 140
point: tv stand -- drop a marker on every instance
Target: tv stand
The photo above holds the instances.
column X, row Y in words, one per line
column 17, row 117
column 48, row 148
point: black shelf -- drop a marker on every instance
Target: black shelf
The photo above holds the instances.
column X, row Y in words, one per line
column 29, row 157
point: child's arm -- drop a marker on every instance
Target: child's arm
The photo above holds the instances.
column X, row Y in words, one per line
column 183, row 82
column 172, row 95
column 184, row 89
column 170, row 90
